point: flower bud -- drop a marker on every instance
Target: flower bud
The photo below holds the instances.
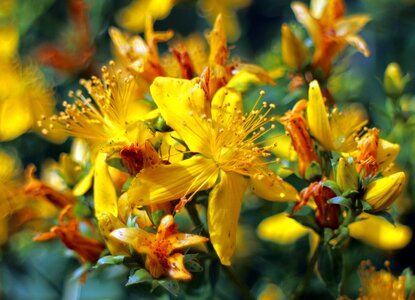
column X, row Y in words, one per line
column 381, row 193
column 294, row 53
column 346, row 176
column 108, row 223
column 393, row 81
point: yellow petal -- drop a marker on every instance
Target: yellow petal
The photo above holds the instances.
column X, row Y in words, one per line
column 15, row 118
column 358, row 43
column 386, row 154
column 379, row 233
column 309, row 22
column 294, row 52
column 218, row 48
column 105, row 196
column 317, row 116
column 182, row 103
column 281, row 229
column 164, row 183
column 351, row 25
column 181, row 240
column 108, row 223
column 137, row 237
column 273, row 188
column 84, row 184
column 9, row 42
column 224, row 205
column 133, row 17
column 177, row 269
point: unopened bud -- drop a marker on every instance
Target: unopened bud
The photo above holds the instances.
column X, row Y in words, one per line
column 381, row 193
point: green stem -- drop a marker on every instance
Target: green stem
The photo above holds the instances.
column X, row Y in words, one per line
column 243, row 289
column 310, row 268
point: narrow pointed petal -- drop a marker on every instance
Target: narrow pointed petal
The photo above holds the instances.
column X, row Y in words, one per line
column 358, row 43
column 182, row 103
column 304, row 16
column 164, row 183
column 105, row 196
column 379, row 233
column 223, row 214
column 281, row 229
column 317, row 116
column 177, row 269
column 181, row 240
column 351, row 25
column 294, row 52
column 219, row 51
column 273, row 188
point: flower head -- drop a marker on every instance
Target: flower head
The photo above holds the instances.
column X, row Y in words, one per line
column 226, row 143
column 161, row 249
column 330, row 30
column 380, row 284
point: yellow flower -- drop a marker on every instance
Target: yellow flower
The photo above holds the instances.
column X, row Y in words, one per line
column 23, row 92
column 371, row 230
column 335, row 132
column 133, row 17
column 161, row 248
column 330, row 30
column 380, row 285
column 226, row 142
column 140, row 55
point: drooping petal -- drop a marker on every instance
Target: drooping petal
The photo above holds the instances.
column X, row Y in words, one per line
column 273, row 188
column 182, row 103
column 317, row 116
column 379, row 233
column 358, row 43
column 281, row 229
column 164, row 183
column 177, row 269
column 105, row 196
column 223, row 214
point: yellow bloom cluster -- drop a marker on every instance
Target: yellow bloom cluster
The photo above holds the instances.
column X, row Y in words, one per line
column 157, row 133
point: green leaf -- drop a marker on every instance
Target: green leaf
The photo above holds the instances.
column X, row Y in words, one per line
column 339, row 200
column 157, row 216
column 333, row 186
column 172, row 286
column 366, row 206
column 387, row 216
column 350, row 193
column 139, row 276
column 330, row 266
column 110, row 260
column 116, row 162
column 192, row 264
